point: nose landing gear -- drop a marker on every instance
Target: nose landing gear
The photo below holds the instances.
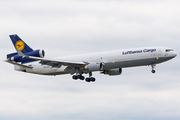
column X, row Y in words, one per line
column 153, row 66
column 153, row 71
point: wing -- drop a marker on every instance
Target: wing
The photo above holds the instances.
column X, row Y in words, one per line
column 14, row 63
column 54, row 62
column 57, row 63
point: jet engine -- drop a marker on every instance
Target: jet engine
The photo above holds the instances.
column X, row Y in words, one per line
column 112, row 72
column 35, row 53
column 94, row 67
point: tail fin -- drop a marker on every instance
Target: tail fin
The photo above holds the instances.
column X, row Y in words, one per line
column 20, row 44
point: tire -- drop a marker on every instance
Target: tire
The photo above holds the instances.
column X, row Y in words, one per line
column 153, row 71
column 82, row 78
column 93, row 79
column 87, row 80
column 74, row 77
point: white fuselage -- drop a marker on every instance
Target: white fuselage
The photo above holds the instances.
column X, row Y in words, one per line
column 110, row 59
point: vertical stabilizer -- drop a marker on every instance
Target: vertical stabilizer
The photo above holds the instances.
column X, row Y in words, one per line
column 20, row 44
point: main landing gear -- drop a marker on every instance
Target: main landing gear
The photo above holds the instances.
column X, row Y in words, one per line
column 88, row 79
column 91, row 79
column 75, row 77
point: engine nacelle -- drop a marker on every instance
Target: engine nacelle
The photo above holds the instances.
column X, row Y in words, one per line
column 94, row 67
column 35, row 53
column 111, row 72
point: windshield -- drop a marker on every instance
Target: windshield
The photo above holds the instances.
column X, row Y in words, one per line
column 168, row 50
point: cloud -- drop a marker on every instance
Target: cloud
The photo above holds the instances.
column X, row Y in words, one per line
column 109, row 22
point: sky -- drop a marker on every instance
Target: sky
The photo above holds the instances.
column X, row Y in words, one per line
column 84, row 26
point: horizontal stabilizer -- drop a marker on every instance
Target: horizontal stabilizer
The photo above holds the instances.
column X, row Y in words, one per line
column 14, row 63
column 11, row 55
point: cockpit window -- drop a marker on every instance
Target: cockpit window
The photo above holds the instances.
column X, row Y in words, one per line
column 168, row 50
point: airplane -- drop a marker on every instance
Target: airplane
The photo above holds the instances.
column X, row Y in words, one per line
column 109, row 63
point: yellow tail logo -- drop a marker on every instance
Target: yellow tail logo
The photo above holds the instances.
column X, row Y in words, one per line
column 20, row 45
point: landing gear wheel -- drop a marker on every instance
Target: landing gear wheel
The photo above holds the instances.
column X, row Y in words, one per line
column 93, row 79
column 75, row 77
column 153, row 71
column 81, row 77
column 88, row 80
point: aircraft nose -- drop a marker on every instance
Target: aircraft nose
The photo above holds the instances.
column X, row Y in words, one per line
column 174, row 54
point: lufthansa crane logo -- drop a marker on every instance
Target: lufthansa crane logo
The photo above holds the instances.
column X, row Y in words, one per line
column 20, row 45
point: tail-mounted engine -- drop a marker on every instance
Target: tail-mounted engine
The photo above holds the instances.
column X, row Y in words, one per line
column 35, row 53
column 111, row 72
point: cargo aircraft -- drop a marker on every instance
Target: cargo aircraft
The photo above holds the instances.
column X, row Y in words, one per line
column 109, row 63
